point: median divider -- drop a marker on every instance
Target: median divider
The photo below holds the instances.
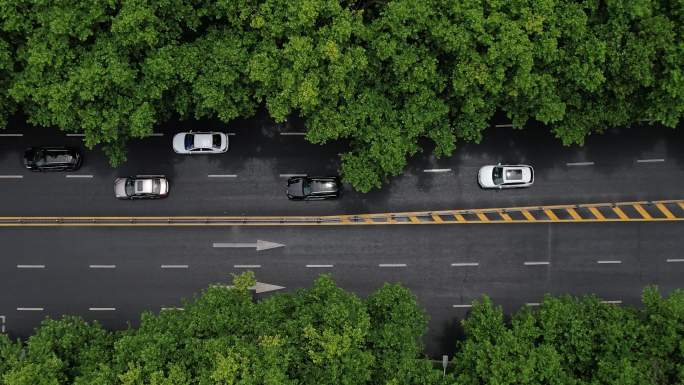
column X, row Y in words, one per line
column 640, row 211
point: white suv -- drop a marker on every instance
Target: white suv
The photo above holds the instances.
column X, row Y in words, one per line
column 200, row 142
column 506, row 176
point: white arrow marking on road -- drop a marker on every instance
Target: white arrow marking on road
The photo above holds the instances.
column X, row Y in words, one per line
column 259, row 245
column 259, row 287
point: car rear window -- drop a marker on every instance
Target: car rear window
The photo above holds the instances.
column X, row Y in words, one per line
column 216, row 140
column 514, row 174
column 189, row 141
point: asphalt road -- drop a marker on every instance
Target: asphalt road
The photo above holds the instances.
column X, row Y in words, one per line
column 112, row 274
column 636, row 163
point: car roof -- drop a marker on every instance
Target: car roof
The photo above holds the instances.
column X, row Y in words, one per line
column 203, row 140
column 323, row 186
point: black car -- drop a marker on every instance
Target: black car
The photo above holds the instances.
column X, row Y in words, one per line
column 52, row 159
column 314, row 188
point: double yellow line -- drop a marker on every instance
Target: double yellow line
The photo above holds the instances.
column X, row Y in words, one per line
column 641, row 211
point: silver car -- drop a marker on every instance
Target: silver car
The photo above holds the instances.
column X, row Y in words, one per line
column 141, row 187
column 200, row 142
column 506, row 176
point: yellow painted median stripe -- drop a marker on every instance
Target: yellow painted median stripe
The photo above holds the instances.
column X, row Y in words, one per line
column 482, row 217
column 506, row 217
column 459, row 218
column 681, row 205
column 551, row 214
column 529, row 216
column 437, row 218
column 641, row 211
column 574, row 214
column 414, row 219
column 665, row 210
column 620, row 213
column 597, row 213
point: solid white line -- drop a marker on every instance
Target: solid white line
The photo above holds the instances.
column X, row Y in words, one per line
column 437, row 170
column 174, row 266
column 580, row 164
column 11, row 135
column 293, row 133
column 102, row 308
column 670, row 260
column 290, row 175
column 11, row 176
column 172, row 308
column 535, row 263
column 608, row 262
column 29, row 309
column 503, row 125
column 650, row 160
column 532, row 303
column 461, row 264
column 246, row 266
column 461, row 306
column 392, row 265
column 319, row 266
column 75, row 134
column 616, row 302
column 30, row 266
column 102, row 266
column 222, row 176
column 78, row 176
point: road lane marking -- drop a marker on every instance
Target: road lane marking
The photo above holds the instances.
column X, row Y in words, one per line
column 11, row 176
column 30, row 266
column 11, row 135
column 222, row 176
column 665, row 210
column 549, row 213
column 621, row 214
column 320, row 266
column 75, row 134
column 528, row 216
column 392, row 265
column 2, row 324
column 536, row 263
column 506, row 217
column 482, row 217
column 462, row 306
column 291, row 175
column 29, row 309
column 573, row 214
column 436, row 170
column 659, row 160
column 532, row 303
column 174, row 266
column 102, row 266
column 172, row 308
column 504, row 125
column 293, row 133
column 642, row 211
column 597, row 213
column 605, row 262
column 230, row 134
column 573, row 164
column 465, row 264
column 102, row 308
column 612, row 301
column 246, row 266
column 79, row 176
column 675, row 260
column 436, row 218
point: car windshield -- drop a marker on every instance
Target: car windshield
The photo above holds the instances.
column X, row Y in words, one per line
column 189, row 141
column 306, row 188
column 497, row 175
column 130, row 187
column 216, row 140
column 156, row 186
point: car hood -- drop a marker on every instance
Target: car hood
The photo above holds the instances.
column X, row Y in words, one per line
column 120, row 188
column 527, row 174
column 485, row 176
column 164, row 188
column 179, row 142
column 295, row 188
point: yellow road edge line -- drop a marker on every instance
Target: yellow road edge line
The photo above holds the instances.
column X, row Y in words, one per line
column 529, row 216
column 641, row 211
column 597, row 214
column 482, row 217
column 574, row 214
column 665, row 210
column 620, row 213
column 550, row 214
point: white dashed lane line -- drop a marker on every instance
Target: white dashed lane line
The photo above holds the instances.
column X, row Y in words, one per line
column 157, row 134
column 392, row 265
column 85, row 176
column 320, row 266
column 613, row 301
column 230, row 134
column 102, row 308
column 674, row 260
column 293, row 133
column 102, row 266
column 437, row 170
column 660, row 160
column 503, row 125
column 579, row 164
column 532, row 303
column 11, row 135
column 78, row 135
column 172, row 308
column 608, row 262
column 246, row 266
column 30, row 266
column 465, row 264
column 174, row 266
column 536, row 263
column 222, row 176
column 29, row 309
column 11, row 176
column 464, row 306
column 290, row 175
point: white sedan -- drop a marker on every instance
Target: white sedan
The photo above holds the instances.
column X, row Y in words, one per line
column 200, row 142
column 141, row 187
column 506, row 176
